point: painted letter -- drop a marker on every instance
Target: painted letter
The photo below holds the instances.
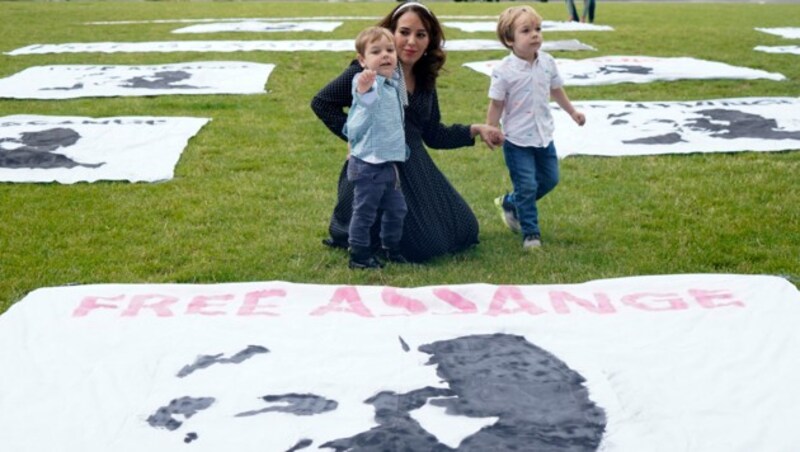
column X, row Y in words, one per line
column 705, row 298
column 161, row 307
column 250, row 305
column 347, row 296
column 672, row 300
column 392, row 298
column 200, row 302
column 559, row 301
column 90, row 304
column 503, row 294
column 456, row 300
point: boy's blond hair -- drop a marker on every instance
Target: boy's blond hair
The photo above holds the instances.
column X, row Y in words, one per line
column 505, row 24
column 370, row 35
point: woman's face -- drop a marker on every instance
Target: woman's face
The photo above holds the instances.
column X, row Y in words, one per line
column 411, row 38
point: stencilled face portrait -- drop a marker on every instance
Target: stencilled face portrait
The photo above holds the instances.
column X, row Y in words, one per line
column 40, row 150
column 476, row 392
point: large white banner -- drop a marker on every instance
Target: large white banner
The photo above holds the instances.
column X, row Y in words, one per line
column 795, row 50
column 547, row 25
column 274, row 19
column 72, row 81
column 680, row 363
column 68, row 149
column 784, row 32
column 616, row 128
column 640, row 69
column 259, row 26
column 332, row 45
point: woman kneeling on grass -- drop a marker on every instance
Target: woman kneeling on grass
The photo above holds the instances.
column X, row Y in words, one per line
column 438, row 221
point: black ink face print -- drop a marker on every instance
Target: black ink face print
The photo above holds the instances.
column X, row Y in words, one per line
column 732, row 124
column 625, row 69
column 36, row 150
column 161, row 80
column 716, row 123
column 539, row 402
column 616, row 69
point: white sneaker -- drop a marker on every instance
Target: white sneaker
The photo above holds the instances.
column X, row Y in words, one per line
column 531, row 242
column 508, row 214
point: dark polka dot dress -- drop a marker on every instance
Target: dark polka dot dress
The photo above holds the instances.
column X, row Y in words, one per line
column 439, row 221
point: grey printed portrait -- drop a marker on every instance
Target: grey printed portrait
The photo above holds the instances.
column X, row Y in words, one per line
column 538, row 403
column 724, row 123
column 39, row 150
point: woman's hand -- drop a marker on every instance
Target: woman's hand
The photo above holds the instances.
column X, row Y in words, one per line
column 490, row 135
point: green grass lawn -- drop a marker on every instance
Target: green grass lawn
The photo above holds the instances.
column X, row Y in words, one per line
column 254, row 190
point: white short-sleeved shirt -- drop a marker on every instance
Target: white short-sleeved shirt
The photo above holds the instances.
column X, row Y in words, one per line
column 525, row 89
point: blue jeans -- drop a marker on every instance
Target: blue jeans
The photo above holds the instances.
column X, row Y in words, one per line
column 376, row 187
column 588, row 10
column 534, row 173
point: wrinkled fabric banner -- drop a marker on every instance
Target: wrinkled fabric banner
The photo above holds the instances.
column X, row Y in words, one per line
column 73, row 81
column 320, row 45
column 673, row 363
column 610, row 70
column 547, row 25
column 67, row 149
column 616, row 128
column 260, row 26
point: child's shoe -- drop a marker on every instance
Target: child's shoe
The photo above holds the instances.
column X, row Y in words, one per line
column 531, row 242
column 362, row 258
column 508, row 213
column 394, row 255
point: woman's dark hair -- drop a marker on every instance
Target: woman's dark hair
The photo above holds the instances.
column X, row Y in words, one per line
column 430, row 63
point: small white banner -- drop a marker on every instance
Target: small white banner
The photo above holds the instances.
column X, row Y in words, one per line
column 795, row 50
column 650, row 128
column 332, row 45
column 547, row 25
column 67, row 149
column 67, row 82
column 259, row 26
column 640, row 69
column 784, row 32
column 676, row 363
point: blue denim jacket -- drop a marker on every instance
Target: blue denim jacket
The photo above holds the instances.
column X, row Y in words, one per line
column 375, row 126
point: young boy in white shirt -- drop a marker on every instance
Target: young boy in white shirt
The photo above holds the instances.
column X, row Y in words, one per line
column 521, row 87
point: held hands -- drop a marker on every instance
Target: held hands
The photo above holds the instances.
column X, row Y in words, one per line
column 578, row 117
column 490, row 135
column 365, row 80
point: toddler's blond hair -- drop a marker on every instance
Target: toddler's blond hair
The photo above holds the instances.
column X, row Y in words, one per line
column 505, row 24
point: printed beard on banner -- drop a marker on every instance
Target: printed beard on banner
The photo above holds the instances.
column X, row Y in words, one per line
column 639, row 69
column 547, row 25
column 68, row 149
column 663, row 363
column 67, row 81
column 784, row 32
column 616, row 128
column 259, row 26
column 779, row 49
column 329, row 45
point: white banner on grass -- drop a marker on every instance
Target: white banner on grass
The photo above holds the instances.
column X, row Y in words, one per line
column 784, row 32
column 650, row 128
column 332, row 45
column 267, row 19
column 68, row 149
column 202, row 77
column 639, row 69
column 259, row 26
column 795, row 50
column 547, row 25
column 679, row 363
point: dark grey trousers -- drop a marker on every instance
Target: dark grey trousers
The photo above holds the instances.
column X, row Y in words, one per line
column 376, row 188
